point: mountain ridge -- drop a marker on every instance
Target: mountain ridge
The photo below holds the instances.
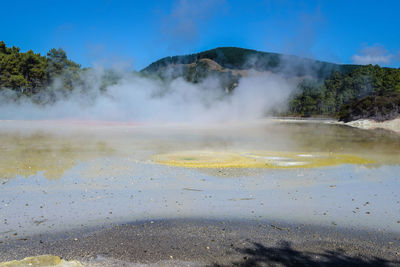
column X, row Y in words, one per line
column 244, row 59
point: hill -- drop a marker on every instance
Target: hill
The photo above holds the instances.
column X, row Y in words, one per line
column 234, row 58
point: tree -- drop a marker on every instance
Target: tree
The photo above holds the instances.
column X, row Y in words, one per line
column 29, row 73
column 59, row 66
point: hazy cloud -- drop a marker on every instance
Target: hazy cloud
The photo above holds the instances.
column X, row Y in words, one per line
column 181, row 25
column 376, row 54
column 111, row 57
column 306, row 33
column 302, row 28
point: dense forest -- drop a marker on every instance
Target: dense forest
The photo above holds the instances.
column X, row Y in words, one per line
column 347, row 92
column 365, row 92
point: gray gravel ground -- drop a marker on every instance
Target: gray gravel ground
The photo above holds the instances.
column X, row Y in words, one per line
column 193, row 242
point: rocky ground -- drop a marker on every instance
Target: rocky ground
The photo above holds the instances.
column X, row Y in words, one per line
column 214, row 243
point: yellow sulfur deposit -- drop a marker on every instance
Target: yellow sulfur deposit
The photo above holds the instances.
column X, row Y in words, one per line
column 52, row 155
column 256, row 159
column 43, row 260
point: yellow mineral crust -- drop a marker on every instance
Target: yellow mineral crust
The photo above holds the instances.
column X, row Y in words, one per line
column 256, row 159
column 26, row 156
column 42, row 260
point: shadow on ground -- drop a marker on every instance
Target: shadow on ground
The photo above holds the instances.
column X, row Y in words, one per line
column 285, row 255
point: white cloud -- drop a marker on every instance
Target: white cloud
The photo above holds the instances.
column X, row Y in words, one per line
column 376, row 54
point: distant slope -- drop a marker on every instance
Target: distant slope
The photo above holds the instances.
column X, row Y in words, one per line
column 244, row 59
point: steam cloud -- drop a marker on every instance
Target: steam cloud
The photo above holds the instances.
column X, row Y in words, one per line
column 142, row 99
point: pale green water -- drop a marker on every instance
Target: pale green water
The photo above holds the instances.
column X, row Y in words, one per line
column 53, row 148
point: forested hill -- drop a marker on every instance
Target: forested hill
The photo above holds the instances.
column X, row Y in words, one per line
column 244, row 59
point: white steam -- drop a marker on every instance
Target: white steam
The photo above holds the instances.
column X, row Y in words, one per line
column 142, row 99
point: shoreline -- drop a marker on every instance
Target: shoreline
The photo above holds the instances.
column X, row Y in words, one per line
column 368, row 124
column 197, row 242
column 365, row 124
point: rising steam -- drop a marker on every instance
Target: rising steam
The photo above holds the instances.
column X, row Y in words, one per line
column 142, row 99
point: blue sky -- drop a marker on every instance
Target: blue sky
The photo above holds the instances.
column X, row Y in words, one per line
column 135, row 33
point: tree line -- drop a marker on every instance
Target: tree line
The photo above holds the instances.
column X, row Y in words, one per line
column 335, row 95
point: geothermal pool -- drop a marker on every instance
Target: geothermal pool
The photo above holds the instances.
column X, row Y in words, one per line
column 67, row 175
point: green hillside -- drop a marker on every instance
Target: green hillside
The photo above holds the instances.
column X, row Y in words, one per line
column 244, row 59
